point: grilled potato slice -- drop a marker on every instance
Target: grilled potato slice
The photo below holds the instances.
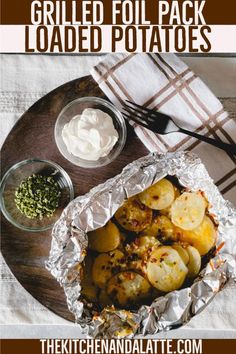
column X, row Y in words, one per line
column 139, row 251
column 194, row 264
column 203, row 237
column 166, row 270
column 182, row 252
column 133, row 215
column 159, row 196
column 166, row 211
column 188, row 210
column 104, row 239
column 142, row 245
column 128, row 288
column 89, row 290
column 105, row 265
column 166, row 228
column 152, row 229
column 138, row 265
column 161, row 227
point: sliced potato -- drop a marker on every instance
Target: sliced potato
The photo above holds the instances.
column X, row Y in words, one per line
column 161, row 227
column 166, row 228
column 105, row 265
column 159, row 196
column 142, row 245
column 89, row 290
column 203, row 237
column 128, row 288
column 182, row 252
column 139, row 251
column 127, row 273
column 152, row 229
column 194, row 264
column 104, row 239
column 167, row 211
column 139, row 266
column 133, row 215
column 188, row 210
column 166, row 270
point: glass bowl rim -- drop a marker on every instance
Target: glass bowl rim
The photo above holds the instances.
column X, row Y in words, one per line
column 14, row 168
column 118, row 116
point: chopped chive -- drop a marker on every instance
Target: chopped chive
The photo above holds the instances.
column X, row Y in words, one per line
column 38, row 196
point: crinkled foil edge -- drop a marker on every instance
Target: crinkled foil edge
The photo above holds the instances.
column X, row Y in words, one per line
column 93, row 210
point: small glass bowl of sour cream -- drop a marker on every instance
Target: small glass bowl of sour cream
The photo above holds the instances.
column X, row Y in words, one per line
column 90, row 132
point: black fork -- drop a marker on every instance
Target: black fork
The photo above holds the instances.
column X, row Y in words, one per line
column 163, row 124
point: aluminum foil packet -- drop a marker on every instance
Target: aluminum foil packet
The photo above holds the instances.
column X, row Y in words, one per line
column 93, row 210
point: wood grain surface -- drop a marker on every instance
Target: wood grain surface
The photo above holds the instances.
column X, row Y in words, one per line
column 33, row 136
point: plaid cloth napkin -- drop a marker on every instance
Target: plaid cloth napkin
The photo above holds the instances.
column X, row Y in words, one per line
column 165, row 83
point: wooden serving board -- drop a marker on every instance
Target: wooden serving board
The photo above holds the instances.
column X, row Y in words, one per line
column 33, row 136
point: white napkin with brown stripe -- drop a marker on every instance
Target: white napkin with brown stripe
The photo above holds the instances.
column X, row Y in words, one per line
column 165, row 83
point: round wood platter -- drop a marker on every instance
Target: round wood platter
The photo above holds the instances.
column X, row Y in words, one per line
column 33, row 136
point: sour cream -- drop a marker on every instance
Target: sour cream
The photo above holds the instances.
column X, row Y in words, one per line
column 90, row 135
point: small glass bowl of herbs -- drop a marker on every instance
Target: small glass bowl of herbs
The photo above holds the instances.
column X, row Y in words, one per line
column 33, row 194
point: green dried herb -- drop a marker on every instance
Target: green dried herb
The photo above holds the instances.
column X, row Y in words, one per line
column 38, row 196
